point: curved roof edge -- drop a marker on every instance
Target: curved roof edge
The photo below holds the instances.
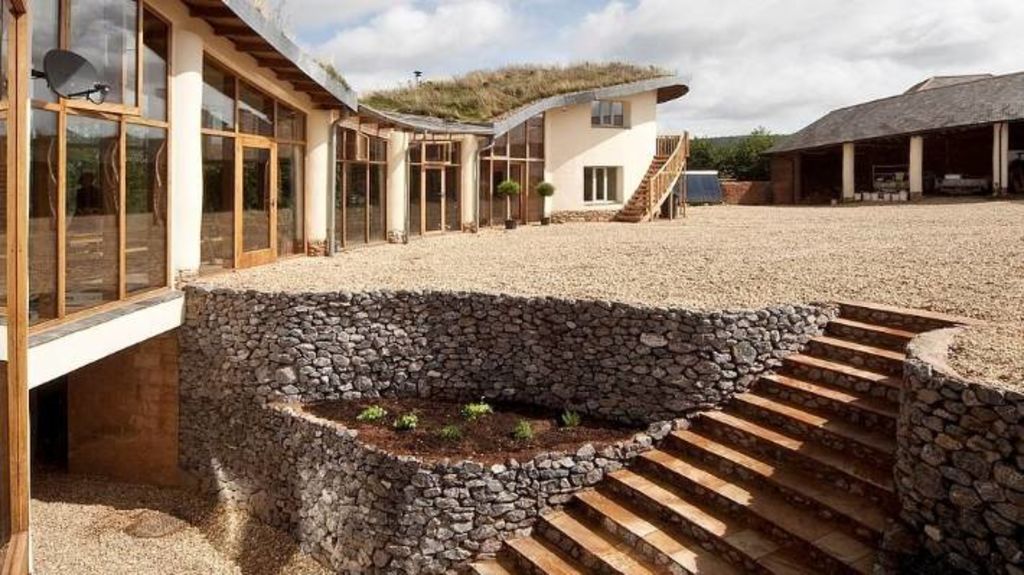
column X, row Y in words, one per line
column 430, row 124
column 273, row 35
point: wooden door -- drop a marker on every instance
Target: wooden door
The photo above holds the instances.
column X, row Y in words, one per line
column 255, row 202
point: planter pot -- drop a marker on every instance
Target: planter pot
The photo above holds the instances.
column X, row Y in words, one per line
column 545, row 221
column 511, row 224
column 858, row 197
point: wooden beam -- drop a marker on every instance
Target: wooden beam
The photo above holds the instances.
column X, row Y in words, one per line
column 258, row 45
column 233, row 30
column 210, row 12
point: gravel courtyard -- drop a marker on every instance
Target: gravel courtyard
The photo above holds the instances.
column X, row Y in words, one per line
column 956, row 256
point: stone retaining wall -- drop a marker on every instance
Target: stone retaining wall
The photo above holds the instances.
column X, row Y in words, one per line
column 245, row 353
column 583, row 216
column 960, row 462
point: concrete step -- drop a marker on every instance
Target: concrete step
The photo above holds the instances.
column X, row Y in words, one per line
column 803, row 457
column 857, row 354
column 656, row 540
column 842, row 375
column 591, row 546
column 853, row 406
column 913, row 320
column 532, row 556
column 863, row 442
column 889, row 338
column 826, row 542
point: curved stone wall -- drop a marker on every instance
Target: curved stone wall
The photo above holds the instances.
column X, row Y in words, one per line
column 248, row 356
column 960, row 462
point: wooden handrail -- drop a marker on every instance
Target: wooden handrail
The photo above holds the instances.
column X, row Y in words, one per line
column 664, row 180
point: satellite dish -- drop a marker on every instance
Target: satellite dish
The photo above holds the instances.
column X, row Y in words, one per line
column 72, row 76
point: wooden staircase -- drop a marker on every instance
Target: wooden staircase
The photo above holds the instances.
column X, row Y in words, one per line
column 794, row 476
column 666, row 168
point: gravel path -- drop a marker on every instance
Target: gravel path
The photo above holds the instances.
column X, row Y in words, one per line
column 93, row 527
column 957, row 256
column 991, row 353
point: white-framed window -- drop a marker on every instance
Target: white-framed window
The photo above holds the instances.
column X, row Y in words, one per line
column 608, row 114
column 600, row 185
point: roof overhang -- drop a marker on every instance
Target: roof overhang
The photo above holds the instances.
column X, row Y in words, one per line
column 241, row 23
column 423, row 124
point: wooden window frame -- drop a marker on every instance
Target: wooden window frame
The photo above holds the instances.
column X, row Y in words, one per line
column 529, row 163
column 343, row 134
column 452, row 160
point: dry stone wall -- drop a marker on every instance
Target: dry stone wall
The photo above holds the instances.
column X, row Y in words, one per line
column 250, row 357
column 960, row 463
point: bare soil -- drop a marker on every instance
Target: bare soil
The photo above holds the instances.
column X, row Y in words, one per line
column 487, row 440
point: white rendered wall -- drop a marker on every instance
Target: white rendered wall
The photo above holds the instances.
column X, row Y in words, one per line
column 397, row 182
column 573, row 144
column 318, row 162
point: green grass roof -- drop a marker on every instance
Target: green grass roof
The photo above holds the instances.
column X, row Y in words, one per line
column 483, row 96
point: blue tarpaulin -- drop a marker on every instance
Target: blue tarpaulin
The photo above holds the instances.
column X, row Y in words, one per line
column 702, row 187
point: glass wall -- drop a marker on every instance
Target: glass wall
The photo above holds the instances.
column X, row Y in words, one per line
column 434, row 194
column 519, row 156
column 361, row 194
column 98, row 171
column 245, row 129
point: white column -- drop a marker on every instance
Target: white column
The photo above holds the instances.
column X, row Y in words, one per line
column 398, row 183
column 849, row 174
column 318, row 165
column 186, row 158
column 1004, row 152
column 997, row 158
column 916, row 167
column 468, row 185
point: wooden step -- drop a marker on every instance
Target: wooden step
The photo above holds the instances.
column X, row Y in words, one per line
column 651, row 537
column 853, row 406
column 492, row 567
column 890, row 338
column 815, row 459
column 835, row 432
column 590, row 545
column 857, row 354
column 725, row 534
column 863, row 516
column 838, row 374
column 823, row 539
column 915, row 320
column 534, row 556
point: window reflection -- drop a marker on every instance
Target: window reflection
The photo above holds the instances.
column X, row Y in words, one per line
column 218, row 244
column 289, row 200
column 42, row 213
column 218, row 98
column 45, row 37
column 154, row 66
column 355, row 203
column 255, row 112
column 146, row 208
column 104, row 33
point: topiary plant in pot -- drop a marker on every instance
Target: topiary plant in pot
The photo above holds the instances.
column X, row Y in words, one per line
column 545, row 190
column 508, row 189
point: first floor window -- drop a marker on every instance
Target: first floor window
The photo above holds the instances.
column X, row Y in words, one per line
column 607, row 114
column 600, row 185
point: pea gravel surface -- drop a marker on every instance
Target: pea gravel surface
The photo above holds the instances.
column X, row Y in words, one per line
column 83, row 526
column 963, row 257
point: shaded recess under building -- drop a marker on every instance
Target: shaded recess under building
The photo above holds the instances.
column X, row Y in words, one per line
column 948, row 135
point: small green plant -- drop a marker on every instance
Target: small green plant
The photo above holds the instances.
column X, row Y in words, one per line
column 508, row 188
column 372, row 414
column 523, row 431
column 450, row 433
column 571, row 419
column 475, row 411
column 545, row 189
column 407, row 422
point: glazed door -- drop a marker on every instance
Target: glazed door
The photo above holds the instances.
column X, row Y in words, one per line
column 255, row 203
column 433, row 201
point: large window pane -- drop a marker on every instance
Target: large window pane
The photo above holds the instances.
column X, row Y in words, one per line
column 452, row 200
column 154, row 65
column 3, row 211
column 218, row 228
column 45, row 37
column 536, row 136
column 146, row 209
column 355, row 204
column 434, row 199
column 218, row 98
column 339, row 205
column 534, row 202
column 255, row 111
column 378, row 217
column 291, row 124
column 104, row 32
column 415, row 201
column 42, row 213
column 289, row 200
column 256, row 190
column 485, row 193
column 517, row 142
column 92, row 208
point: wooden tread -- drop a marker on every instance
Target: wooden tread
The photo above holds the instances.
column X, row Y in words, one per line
column 842, row 396
column 489, row 568
column 814, row 453
column 543, row 558
column 873, row 329
column 847, row 431
column 859, row 354
column 853, row 507
column 949, row 320
column 596, row 545
column 820, row 534
column 844, row 369
column 669, row 544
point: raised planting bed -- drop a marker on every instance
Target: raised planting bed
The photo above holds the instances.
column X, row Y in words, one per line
column 482, row 432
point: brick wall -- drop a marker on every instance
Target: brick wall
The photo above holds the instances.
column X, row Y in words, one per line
column 747, row 193
column 782, row 180
column 123, row 414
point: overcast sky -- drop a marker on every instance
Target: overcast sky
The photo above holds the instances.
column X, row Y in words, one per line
column 749, row 63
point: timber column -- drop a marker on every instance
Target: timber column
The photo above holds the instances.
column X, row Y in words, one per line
column 849, row 171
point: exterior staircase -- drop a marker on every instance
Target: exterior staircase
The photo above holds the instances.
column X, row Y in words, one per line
column 794, row 476
column 666, row 168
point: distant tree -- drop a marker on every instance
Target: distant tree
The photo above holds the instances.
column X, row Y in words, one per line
column 739, row 158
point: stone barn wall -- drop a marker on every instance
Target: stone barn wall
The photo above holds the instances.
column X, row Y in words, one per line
column 960, row 463
column 244, row 354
